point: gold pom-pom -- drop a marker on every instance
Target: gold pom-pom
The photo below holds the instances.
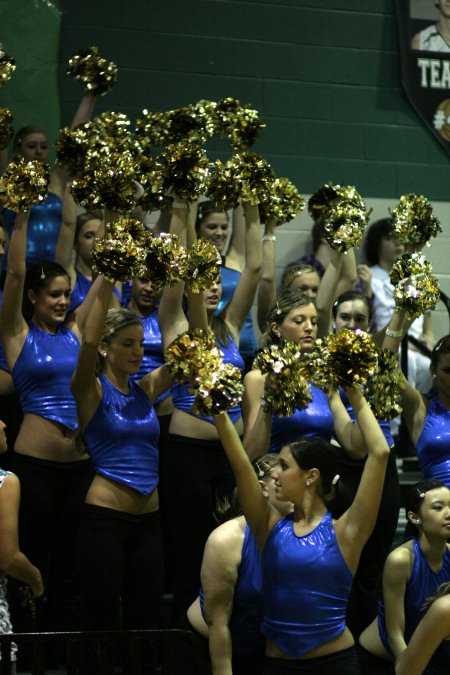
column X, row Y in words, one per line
column 245, row 128
column 383, row 390
column 121, row 253
column 97, row 74
column 184, row 170
column 245, row 177
column 416, row 289
column 202, row 266
column 6, row 130
column 109, row 182
column 228, row 117
column 165, row 261
column 284, row 203
column 24, row 184
column 344, row 214
column 413, row 220
column 187, row 123
column 192, row 353
column 344, row 360
column 71, row 148
column 217, row 390
column 7, row 66
column 286, row 388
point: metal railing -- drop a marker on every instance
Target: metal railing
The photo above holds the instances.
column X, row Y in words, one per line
column 172, row 652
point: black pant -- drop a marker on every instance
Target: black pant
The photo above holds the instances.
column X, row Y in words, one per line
column 196, row 472
column 344, row 662
column 52, row 494
column 121, row 569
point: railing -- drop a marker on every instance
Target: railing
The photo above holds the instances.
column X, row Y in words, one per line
column 172, row 652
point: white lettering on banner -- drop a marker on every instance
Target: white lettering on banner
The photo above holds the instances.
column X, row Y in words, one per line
column 434, row 73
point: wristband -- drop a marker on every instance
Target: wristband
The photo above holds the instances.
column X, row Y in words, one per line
column 269, row 237
column 394, row 333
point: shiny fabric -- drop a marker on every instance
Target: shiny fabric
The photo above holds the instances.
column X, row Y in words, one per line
column 314, row 421
column 183, row 399
column 248, row 609
column 42, row 374
column 384, row 424
column 306, row 584
column 122, row 437
column 153, row 350
column 433, row 444
column 80, row 290
column 3, row 364
column 43, row 229
column 229, row 280
column 422, row 584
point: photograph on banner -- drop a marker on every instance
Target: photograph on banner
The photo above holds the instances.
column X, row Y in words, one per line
column 424, row 33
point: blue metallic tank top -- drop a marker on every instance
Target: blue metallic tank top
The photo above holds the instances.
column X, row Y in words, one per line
column 183, row 399
column 306, row 584
column 248, row 610
column 433, row 444
column 422, row 584
column 43, row 229
column 384, row 424
column 122, row 437
column 43, row 372
column 314, row 421
column 229, row 280
column 80, row 290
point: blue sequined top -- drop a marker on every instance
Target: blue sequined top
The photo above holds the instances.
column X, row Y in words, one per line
column 422, row 584
column 43, row 229
column 122, row 437
column 43, row 372
column 247, row 613
column 433, row 444
column 306, row 584
column 314, row 421
column 183, row 399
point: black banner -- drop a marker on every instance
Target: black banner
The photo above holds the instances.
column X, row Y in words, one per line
column 424, row 30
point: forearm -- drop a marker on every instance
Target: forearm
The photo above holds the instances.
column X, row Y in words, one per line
column 20, row 568
column 348, row 275
column 84, row 111
column 220, row 649
column 266, row 287
column 257, row 438
column 95, row 307
column 372, row 435
column 18, row 246
column 253, row 249
column 327, row 293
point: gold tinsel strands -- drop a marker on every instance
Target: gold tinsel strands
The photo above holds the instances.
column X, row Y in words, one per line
column 6, row 130
column 7, row 66
column 184, row 171
column 202, row 266
column 245, row 177
column 192, row 353
column 96, row 73
column 229, row 118
column 343, row 360
column 163, row 128
column 383, row 390
column 284, row 203
column 416, row 289
column 413, row 220
column 109, row 182
column 165, row 261
column 71, row 149
column 24, row 184
column 121, row 253
column 217, row 390
column 344, row 214
column 286, row 388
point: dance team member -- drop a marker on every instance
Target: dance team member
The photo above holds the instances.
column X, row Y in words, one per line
column 308, row 559
column 412, row 573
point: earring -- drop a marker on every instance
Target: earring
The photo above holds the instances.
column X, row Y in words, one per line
column 33, row 302
column 417, row 521
column 103, row 354
column 307, row 482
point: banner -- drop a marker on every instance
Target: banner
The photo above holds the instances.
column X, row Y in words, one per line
column 424, row 31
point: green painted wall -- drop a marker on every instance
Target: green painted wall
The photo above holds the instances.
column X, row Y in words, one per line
column 325, row 80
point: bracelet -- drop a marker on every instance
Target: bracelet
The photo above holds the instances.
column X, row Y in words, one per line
column 179, row 205
column 394, row 333
column 269, row 237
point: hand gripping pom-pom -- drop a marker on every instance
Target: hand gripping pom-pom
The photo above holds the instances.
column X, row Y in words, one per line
column 24, row 184
column 96, row 73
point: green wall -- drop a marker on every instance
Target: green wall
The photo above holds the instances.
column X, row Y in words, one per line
column 325, row 80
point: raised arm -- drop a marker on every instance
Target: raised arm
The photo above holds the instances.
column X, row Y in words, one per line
column 66, row 237
column 267, row 287
column 13, row 325
column 171, row 317
column 244, row 294
column 259, row 514
column 433, row 629
column 12, row 561
column 347, row 433
column 326, row 294
column 257, row 422
column 355, row 526
column 236, row 248
column 396, row 574
column 85, row 386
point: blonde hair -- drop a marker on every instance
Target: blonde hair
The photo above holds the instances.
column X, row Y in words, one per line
column 295, row 271
column 116, row 319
